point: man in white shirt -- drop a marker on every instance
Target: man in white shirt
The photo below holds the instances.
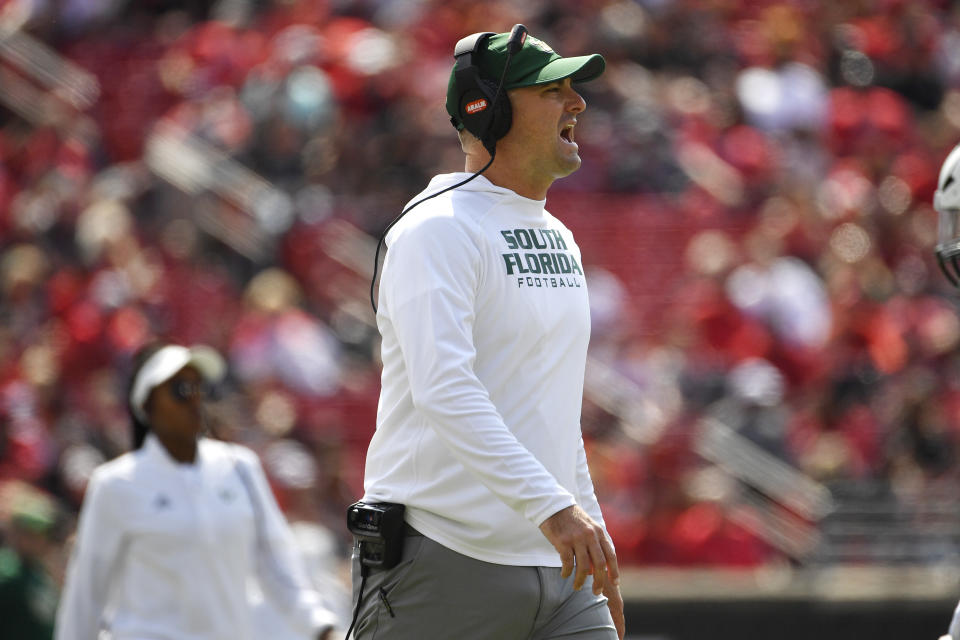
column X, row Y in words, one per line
column 485, row 321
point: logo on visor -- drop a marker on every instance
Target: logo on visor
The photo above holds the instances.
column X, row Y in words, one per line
column 540, row 44
column 476, row 106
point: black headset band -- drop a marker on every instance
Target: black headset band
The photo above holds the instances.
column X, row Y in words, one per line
column 489, row 119
column 470, row 44
column 468, row 68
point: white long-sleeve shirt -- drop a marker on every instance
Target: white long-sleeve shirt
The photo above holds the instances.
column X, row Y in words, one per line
column 164, row 550
column 485, row 322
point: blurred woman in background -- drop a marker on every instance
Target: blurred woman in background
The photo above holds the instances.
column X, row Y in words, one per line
column 170, row 533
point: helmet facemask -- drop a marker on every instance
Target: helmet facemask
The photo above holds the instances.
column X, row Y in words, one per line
column 946, row 201
column 948, row 245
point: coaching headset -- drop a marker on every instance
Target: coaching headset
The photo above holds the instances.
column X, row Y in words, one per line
column 483, row 109
column 480, row 107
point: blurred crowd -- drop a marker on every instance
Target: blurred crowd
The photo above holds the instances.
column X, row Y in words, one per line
column 753, row 208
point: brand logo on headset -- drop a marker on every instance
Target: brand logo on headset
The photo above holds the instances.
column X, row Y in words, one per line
column 476, row 106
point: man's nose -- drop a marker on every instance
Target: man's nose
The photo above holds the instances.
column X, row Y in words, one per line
column 575, row 101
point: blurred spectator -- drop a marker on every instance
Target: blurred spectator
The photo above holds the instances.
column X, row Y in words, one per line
column 274, row 340
column 30, row 561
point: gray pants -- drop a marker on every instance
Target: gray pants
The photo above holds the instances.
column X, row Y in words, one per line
column 438, row 594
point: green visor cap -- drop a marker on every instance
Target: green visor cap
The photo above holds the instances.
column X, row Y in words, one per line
column 535, row 63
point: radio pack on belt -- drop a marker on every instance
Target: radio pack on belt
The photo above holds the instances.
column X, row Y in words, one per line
column 379, row 529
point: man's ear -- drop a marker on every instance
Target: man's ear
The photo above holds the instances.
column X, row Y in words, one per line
column 468, row 141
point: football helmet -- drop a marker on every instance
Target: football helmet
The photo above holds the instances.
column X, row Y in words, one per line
column 946, row 200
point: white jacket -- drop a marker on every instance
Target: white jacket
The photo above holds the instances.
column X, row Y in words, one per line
column 485, row 323
column 164, row 550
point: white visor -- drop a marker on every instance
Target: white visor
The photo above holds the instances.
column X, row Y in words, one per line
column 166, row 363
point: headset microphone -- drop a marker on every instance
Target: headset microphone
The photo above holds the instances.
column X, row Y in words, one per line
column 481, row 111
column 518, row 35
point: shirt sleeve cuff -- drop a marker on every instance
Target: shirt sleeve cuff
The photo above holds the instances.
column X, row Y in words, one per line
column 555, row 505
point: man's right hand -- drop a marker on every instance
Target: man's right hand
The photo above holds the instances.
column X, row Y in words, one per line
column 582, row 543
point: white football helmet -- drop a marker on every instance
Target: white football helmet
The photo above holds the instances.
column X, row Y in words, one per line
column 946, row 200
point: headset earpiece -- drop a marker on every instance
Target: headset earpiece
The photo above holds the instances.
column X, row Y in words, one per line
column 482, row 113
column 487, row 119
